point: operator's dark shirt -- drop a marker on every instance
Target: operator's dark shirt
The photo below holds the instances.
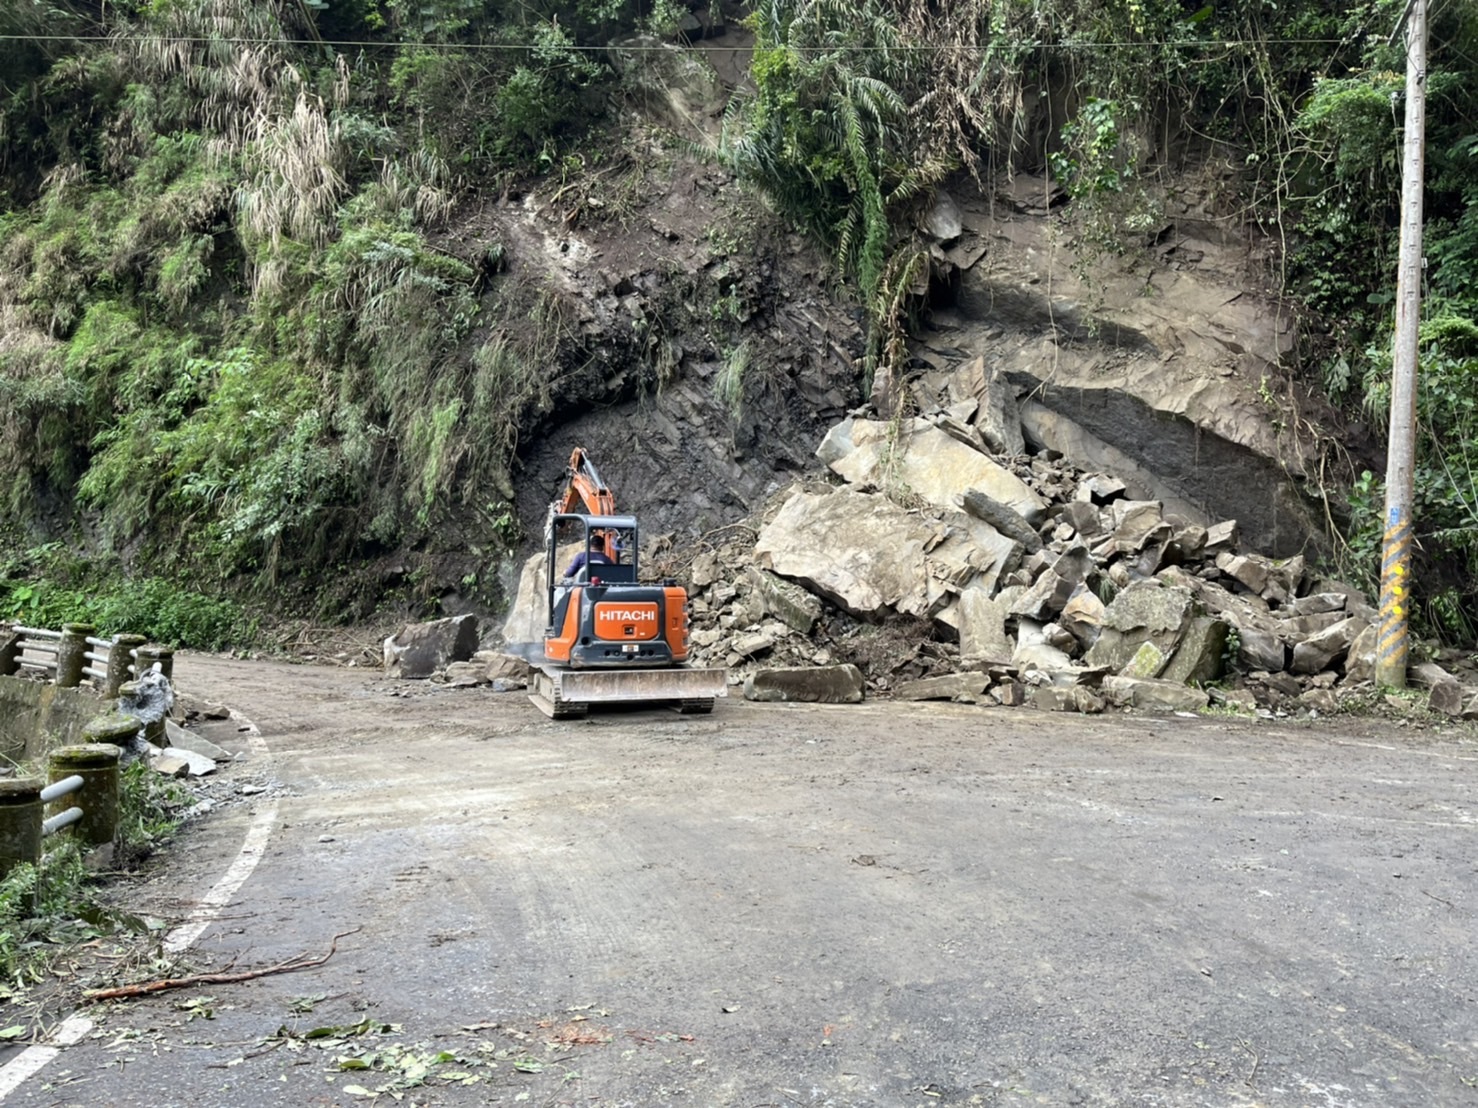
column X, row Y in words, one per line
column 595, row 558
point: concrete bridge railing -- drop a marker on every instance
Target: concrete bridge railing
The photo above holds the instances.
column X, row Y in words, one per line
column 75, row 655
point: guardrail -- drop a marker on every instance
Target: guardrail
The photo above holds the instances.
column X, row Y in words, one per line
column 75, row 654
column 32, row 810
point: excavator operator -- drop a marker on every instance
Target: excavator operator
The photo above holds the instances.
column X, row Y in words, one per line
column 582, row 559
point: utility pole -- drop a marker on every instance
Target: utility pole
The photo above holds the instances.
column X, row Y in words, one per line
column 1395, row 581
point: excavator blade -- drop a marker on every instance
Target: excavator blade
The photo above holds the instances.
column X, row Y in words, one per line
column 568, row 693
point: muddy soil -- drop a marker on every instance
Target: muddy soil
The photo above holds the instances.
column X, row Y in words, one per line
column 793, row 905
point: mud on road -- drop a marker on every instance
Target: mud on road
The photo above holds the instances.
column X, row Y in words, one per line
column 806, row 905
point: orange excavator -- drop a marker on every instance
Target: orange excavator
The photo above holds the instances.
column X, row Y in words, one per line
column 609, row 637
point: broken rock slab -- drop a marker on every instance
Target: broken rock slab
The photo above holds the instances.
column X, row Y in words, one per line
column 1200, row 657
column 1066, row 698
column 1326, row 648
column 950, row 686
column 859, row 550
column 982, row 624
column 997, row 415
column 1154, row 695
column 812, row 685
column 1145, row 611
column 467, row 675
column 786, row 601
column 420, row 649
column 928, row 461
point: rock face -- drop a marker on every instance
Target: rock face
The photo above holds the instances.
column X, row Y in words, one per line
column 1158, row 371
column 421, row 649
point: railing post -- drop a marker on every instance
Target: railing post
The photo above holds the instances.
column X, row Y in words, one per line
column 70, row 654
column 10, row 652
column 118, row 729
column 20, row 822
column 152, row 655
column 97, row 765
column 120, row 658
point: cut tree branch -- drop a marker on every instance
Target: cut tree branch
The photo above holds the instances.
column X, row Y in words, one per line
column 146, row 988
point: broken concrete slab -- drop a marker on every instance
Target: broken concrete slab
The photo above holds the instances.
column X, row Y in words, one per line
column 180, row 762
column 814, row 685
column 1154, row 695
column 420, row 649
column 182, row 739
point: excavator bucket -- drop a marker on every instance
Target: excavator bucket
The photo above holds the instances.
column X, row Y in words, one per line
column 562, row 693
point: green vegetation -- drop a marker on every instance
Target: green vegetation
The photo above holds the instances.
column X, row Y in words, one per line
column 246, row 337
column 860, row 110
column 230, row 335
column 46, row 909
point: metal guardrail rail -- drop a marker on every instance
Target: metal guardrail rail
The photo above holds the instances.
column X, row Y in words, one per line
column 55, row 791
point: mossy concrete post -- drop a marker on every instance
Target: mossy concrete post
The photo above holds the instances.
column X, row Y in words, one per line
column 70, row 654
column 10, row 653
column 97, row 765
column 20, row 822
column 120, row 658
column 120, row 730
column 151, row 656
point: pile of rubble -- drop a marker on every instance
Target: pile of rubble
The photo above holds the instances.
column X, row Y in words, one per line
column 952, row 564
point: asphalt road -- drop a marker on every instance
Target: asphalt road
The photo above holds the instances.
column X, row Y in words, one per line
column 787, row 905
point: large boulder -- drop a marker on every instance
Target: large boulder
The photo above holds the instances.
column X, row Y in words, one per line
column 529, row 611
column 927, row 461
column 859, row 550
column 1145, row 611
column 420, row 649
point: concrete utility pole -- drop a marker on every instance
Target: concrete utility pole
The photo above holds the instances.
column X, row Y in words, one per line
column 1395, row 581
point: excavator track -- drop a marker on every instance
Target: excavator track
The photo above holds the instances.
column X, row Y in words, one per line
column 546, row 697
column 695, row 706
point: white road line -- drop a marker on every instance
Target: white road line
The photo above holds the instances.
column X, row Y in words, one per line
column 33, row 1059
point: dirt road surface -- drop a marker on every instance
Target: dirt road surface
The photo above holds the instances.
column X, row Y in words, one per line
column 787, row 905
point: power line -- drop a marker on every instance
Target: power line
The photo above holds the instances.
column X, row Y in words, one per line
column 1223, row 44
